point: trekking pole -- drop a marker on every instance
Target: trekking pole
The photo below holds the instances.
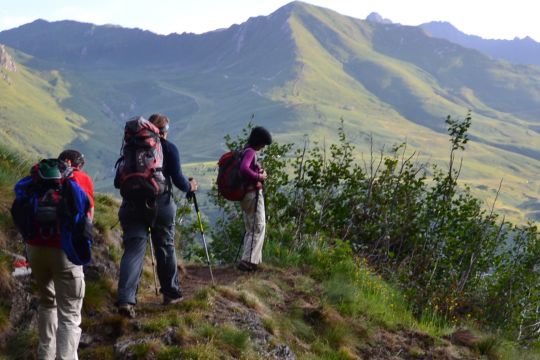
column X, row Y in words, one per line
column 191, row 196
column 153, row 263
column 239, row 247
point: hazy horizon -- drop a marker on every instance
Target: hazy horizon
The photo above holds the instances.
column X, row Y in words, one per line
column 207, row 15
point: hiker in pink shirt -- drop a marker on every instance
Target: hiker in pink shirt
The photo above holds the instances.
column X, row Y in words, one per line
column 253, row 202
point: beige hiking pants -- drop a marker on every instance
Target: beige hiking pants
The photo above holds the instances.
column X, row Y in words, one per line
column 60, row 286
column 255, row 223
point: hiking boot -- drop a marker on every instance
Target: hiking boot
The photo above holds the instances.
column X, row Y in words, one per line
column 246, row 266
column 170, row 301
column 126, row 310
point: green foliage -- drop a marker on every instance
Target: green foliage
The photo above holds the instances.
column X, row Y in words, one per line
column 22, row 345
column 411, row 221
column 188, row 232
column 457, row 130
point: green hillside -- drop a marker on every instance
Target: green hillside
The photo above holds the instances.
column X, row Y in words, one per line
column 30, row 115
column 299, row 70
column 395, row 83
column 317, row 302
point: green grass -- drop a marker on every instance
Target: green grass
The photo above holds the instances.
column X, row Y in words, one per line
column 205, row 351
column 170, row 353
column 100, row 352
column 355, row 291
column 158, row 324
column 31, row 97
column 106, row 212
column 145, row 350
column 349, row 294
column 329, row 309
column 234, row 339
column 98, row 294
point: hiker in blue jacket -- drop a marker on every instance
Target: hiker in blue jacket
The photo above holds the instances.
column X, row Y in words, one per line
column 137, row 226
column 56, row 266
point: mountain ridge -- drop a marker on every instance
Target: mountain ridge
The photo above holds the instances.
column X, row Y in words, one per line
column 518, row 50
column 299, row 70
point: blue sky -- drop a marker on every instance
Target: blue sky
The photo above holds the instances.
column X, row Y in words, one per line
column 487, row 18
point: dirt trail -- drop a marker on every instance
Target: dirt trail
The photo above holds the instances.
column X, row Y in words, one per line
column 192, row 279
column 195, row 277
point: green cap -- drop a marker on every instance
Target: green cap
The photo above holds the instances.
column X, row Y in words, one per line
column 48, row 169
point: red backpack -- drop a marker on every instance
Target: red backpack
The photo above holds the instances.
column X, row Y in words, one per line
column 139, row 171
column 229, row 180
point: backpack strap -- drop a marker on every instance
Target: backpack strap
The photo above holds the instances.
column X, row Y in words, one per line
column 21, row 209
column 166, row 155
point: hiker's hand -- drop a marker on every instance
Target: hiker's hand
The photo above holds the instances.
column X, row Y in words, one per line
column 263, row 175
column 193, row 184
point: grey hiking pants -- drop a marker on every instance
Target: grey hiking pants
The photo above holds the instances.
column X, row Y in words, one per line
column 136, row 226
column 255, row 223
column 60, row 285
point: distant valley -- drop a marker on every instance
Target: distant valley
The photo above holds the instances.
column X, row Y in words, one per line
column 299, row 70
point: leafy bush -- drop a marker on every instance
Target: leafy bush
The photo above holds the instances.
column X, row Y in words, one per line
column 409, row 220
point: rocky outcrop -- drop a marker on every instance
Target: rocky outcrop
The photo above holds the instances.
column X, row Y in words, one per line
column 378, row 19
column 6, row 64
column 6, row 61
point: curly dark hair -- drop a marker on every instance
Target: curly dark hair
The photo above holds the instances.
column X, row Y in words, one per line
column 259, row 136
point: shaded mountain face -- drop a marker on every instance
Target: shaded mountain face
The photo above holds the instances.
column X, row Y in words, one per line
column 299, row 70
column 71, row 43
column 519, row 51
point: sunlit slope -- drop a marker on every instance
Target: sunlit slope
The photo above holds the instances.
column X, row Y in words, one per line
column 299, row 71
column 31, row 119
column 346, row 71
column 44, row 111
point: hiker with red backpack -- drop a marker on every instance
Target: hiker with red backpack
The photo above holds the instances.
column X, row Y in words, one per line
column 148, row 168
column 51, row 212
column 252, row 203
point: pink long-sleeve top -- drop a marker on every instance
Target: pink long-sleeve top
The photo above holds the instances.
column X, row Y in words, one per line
column 250, row 168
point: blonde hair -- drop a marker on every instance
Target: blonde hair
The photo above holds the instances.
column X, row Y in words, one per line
column 161, row 122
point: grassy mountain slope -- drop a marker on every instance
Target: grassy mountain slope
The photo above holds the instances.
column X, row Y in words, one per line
column 389, row 81
column 311, row 305
column 299, row 71
column 318, row 303
column 31, row 118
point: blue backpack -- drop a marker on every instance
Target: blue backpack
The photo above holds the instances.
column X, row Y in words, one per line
column 49, row 202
